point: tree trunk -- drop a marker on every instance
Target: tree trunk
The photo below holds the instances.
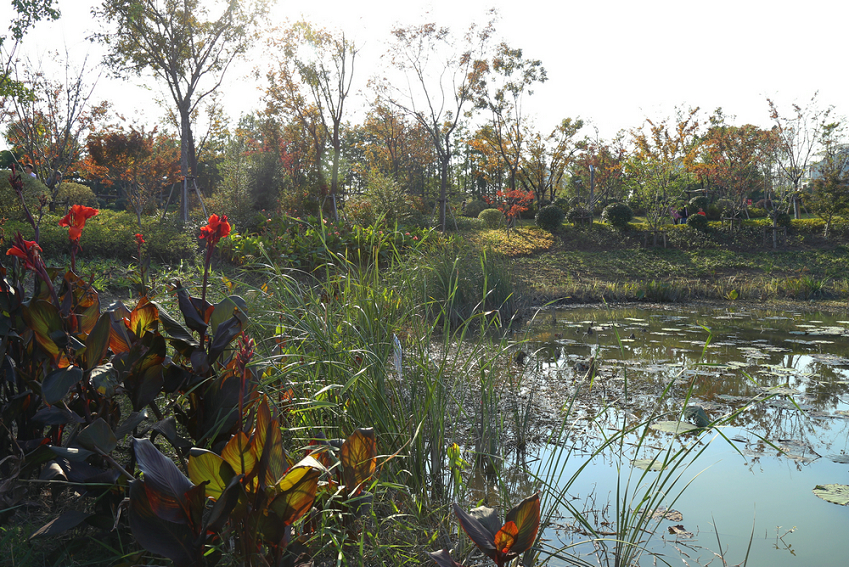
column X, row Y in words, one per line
column 443, row 190
column 334, row 176
column 185, row 134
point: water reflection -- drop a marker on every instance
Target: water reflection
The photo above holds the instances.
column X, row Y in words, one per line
column 774, row 453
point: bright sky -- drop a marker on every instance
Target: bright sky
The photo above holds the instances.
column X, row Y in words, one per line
column 612, row 62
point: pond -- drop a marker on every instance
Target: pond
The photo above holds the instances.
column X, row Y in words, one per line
column 787, row 373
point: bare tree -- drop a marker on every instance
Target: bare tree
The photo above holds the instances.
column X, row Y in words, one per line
column 323, row 62
column 48, row 126
column 797, row 136
column 440, row 72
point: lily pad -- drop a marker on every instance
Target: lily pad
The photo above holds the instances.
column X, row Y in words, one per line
column 676, row 427
column 663, row 513
column 834, row 493
column 648, row 464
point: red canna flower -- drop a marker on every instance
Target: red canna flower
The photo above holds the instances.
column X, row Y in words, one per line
column 75, row 220
column 27, row 250
column 217, row 229
column 139, row 239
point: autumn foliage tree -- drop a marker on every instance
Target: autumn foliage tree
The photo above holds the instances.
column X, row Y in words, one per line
column 140, row 163
column 731, row 159
column 657, row 163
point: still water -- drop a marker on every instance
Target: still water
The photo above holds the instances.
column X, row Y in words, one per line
column 756, row 475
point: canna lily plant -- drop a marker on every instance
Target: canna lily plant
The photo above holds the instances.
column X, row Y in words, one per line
column 78, row 379
column 501, row 543
column 75, row 222
column 247, row 498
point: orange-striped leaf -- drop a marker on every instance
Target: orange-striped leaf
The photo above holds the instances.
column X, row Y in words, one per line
column 526, row 518
column 359, row 458
column 239, row 454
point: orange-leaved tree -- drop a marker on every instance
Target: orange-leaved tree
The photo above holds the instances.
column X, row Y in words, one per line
column 140, row 163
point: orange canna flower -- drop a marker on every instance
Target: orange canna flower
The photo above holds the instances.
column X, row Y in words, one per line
column 27, row 250
column 217, row 229
column 75, row 220
column 139, row 239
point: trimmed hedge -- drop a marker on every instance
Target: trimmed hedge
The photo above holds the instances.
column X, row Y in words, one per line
column 110, row 234
column 550, row 218
column 617, row 214
column 492, row 218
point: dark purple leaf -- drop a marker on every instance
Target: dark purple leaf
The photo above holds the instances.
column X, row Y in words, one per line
column 191, row 313
column 72, row 453
column 56, row 385
column 224, row 335
column 56, row 415
column 97, row 436
column 480, row 536
column 443, row 558
column 172, row 540
column 160, row 472
column 225, row 504
column 97, row 342
column 66, row 521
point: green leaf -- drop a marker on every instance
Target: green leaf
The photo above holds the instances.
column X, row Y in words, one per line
column 205, row 466
column 834, row 493
column 57, row 384
column 232, row 306
column 98, row 436
column 697, row 415
column 297, row 491
column 43, row 318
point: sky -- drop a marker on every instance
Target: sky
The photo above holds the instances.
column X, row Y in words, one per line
column 613, row 63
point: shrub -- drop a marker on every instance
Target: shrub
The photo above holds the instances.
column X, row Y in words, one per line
column 492, row 218
column 617, row 214
column 10, row 204
column 757, row 213
column 475, row 207
column 697, row 203
column 713, row 213
column 698, row 222
column 725, row 206
column 76, row 194
column 550, row 218
column 359, row 211
column 562, row 203
column 783, row 219
column 578, row 214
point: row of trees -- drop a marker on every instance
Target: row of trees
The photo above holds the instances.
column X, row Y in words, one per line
column 451, row 119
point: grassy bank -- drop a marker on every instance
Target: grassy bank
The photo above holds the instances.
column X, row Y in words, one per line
column 601, row 264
